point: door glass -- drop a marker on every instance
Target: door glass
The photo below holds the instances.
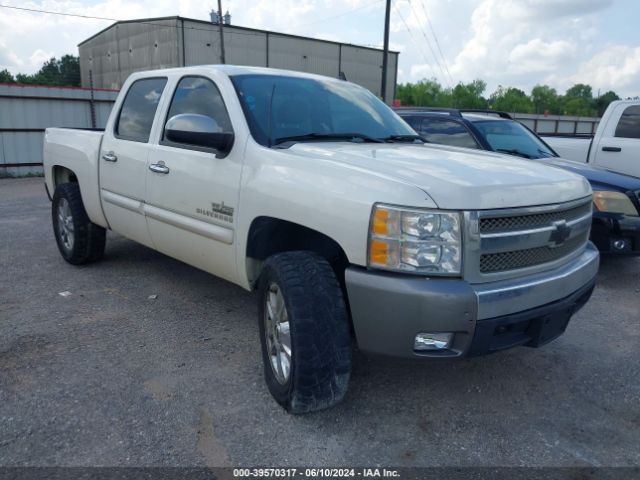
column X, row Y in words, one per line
column 447, row 132
column 629, row 125
column 200, row 96
column 139, row 109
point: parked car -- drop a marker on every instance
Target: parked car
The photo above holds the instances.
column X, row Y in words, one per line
column 316, row 194
column 616, row 216
column 616, row 144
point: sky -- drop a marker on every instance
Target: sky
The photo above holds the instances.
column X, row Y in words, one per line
column 509, row 43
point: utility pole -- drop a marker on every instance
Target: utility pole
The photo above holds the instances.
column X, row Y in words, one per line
column 385, row 54
column 220, row 27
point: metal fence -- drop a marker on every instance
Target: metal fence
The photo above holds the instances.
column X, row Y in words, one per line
column 26, row 110
column 558, row 124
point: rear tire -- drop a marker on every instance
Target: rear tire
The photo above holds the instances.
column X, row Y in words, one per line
column 79, row 240
column 303, row 322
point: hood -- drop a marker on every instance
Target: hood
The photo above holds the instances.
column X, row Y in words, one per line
column 455, row 178
column 596, row 175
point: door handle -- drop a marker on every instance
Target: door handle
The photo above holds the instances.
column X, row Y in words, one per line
column 109, row 157
column 611, row 149
column 159, row 167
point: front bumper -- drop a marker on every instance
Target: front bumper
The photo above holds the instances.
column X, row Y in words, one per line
column 388, row 310
column 609, row 228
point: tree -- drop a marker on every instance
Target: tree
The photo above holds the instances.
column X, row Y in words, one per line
column 425, row 93
column 545, row 99
column 64, row 72
column 602, row 102
column 578, row 100
column 6, row 76
column 469, row 95
column 511, row 100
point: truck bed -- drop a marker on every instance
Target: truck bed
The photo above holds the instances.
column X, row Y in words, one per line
column 78, row 150
column 570, row 147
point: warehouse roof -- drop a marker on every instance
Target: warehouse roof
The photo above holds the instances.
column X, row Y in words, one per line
column 233, row 27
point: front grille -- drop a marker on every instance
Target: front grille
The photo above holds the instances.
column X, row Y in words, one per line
column 533, row 220
column 499, row 262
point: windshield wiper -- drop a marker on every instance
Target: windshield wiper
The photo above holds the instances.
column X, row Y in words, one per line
column 404, row 138
column 514, row 152
column 350, row 137
column 545, row 154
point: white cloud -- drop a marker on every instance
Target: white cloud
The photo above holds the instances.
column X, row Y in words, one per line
column 616, row 67
column 540, row 56
column 38, row 57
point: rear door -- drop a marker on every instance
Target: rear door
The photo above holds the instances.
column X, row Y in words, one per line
column 192, row 200
column 619, row 146
column 123, row 158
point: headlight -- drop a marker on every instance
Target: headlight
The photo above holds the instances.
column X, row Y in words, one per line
column 614, row 202
column 418, row 241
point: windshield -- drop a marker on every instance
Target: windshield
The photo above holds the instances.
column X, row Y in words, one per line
column 512, row 137
column 281, row 108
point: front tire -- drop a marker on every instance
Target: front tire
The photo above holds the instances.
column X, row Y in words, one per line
column 79, row 240
column 304, row 332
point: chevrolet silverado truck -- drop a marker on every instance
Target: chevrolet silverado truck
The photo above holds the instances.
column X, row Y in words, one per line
column 616, row 197
column 615, row 145
column 314, row 193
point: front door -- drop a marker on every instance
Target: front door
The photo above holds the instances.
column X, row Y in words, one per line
column 192, row 195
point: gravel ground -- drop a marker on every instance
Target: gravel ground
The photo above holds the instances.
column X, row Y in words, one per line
column 108, row 376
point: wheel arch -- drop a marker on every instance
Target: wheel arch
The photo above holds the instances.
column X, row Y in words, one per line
column 270, row 235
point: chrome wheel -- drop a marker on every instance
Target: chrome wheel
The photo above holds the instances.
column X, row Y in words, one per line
column 65, row 224
column 278, row 336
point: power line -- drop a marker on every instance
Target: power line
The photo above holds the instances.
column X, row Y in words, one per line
column 415, row 41
column 433, row 53
column 435, row 37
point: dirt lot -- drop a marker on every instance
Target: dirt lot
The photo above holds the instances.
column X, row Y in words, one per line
column 108, row 376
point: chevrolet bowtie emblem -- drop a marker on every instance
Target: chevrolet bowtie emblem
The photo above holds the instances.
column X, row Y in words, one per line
column 560, row 233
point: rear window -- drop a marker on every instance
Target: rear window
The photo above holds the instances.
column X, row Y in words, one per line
column 139, row 109
column 629, row 125
column 447, row 132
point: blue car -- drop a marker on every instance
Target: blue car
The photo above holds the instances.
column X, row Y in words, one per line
column 616, row 197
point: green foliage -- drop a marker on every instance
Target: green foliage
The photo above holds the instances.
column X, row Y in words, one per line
column 603, row 101
column 578, row 100
column 6, row 76
column 545, row 99
column 63, row 72
column 511, row 100
column 430, row 93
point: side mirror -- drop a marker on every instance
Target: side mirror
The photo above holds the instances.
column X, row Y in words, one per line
column 198, row 130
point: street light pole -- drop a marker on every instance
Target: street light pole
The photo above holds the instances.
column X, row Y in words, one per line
column 385, row 54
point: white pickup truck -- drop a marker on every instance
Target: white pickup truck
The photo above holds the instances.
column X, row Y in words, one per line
column 616, row 144
column 314, row 193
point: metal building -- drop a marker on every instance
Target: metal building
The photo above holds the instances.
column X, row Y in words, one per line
column 133, row 45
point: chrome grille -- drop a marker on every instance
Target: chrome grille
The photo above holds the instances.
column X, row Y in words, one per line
column 534, row 220
column 498, row 262
column 502, row 244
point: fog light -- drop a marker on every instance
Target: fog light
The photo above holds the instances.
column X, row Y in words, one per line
column 620, row 244
column 432, row 341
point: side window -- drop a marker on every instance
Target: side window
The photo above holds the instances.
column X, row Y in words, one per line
column 139, row 109
column 447, row 132
column 629, row 125
column 199, row 95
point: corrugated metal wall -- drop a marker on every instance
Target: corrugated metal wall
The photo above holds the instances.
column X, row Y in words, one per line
column 126, row 47
column 25, row 111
